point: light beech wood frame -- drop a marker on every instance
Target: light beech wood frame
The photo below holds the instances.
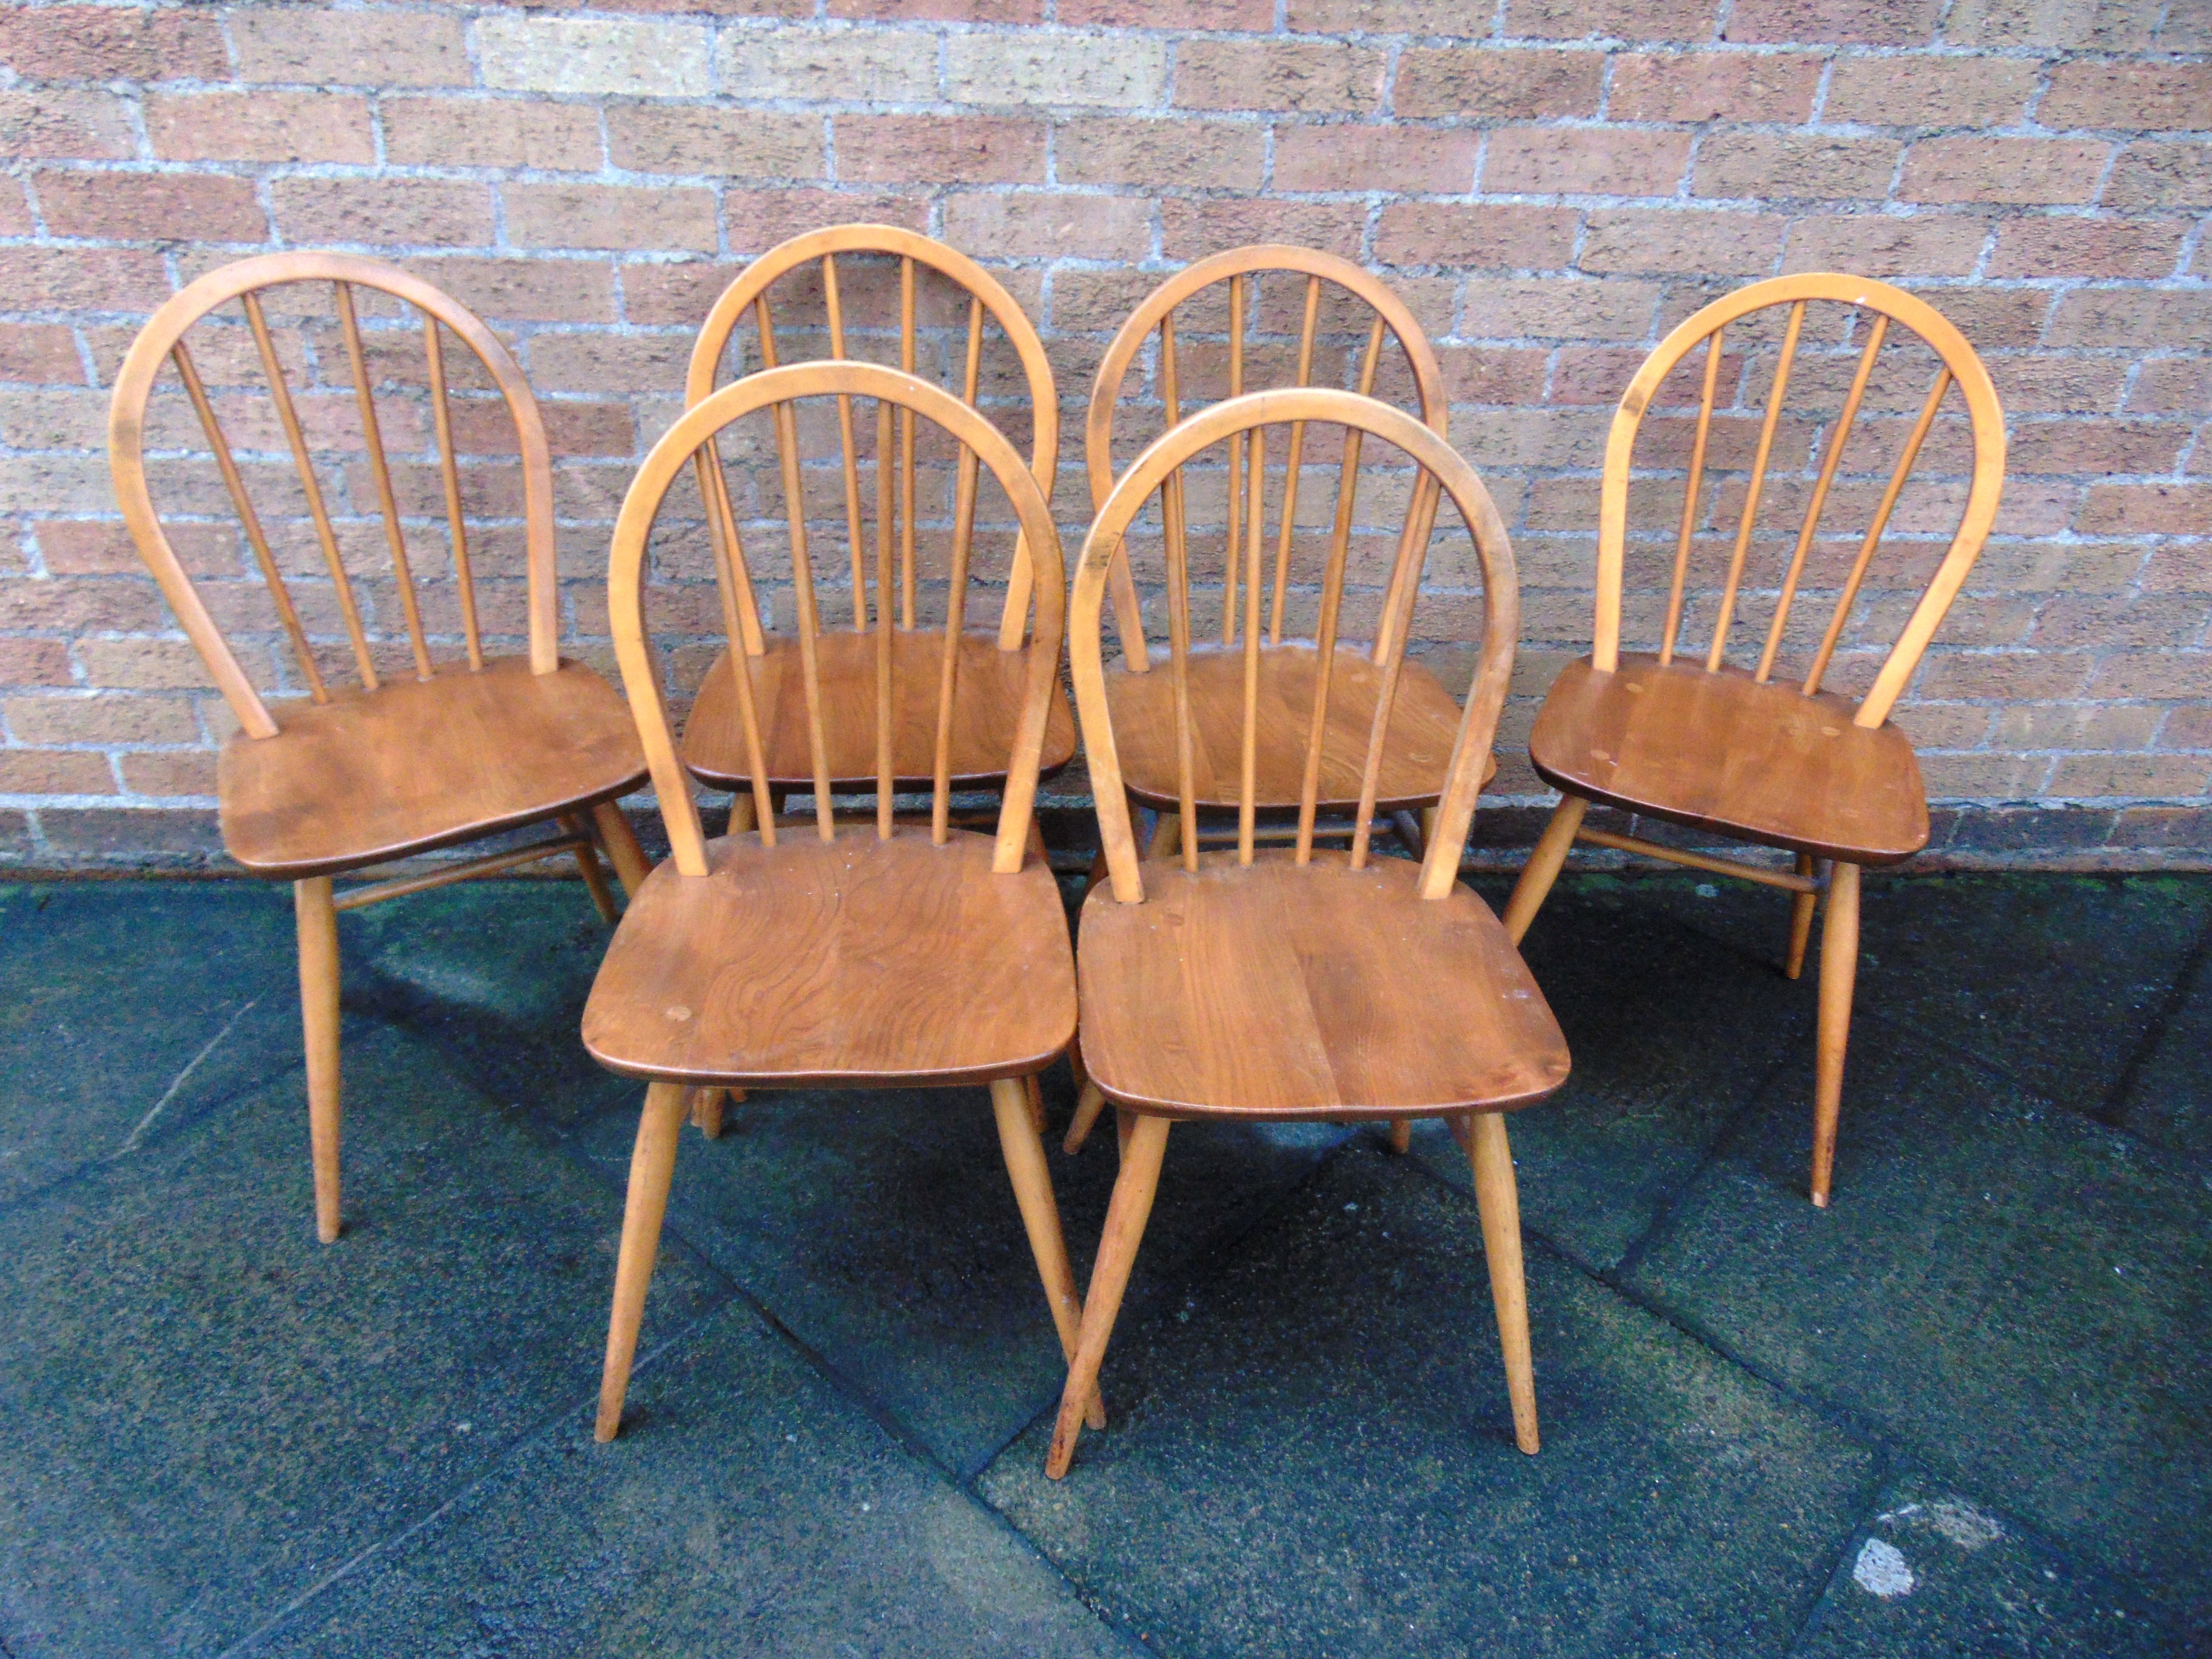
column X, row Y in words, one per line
column 1206, row 983
column 1829, row 782
column 299, row 785
column 981, row 982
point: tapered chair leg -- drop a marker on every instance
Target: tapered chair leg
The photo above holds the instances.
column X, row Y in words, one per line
column 651, row 1162
column 1801, row 922
column 1497, row 1200
column 1024, row 1155
column 1126, row 1216
column 1167, row 836
column 707, row 1111
column 595, row 878
column 742, row 815
column 1401, row 1138
column 1839, row 967
column 1088, row 1105
column 1543, row 866
column 623, row 850
column 318, row 921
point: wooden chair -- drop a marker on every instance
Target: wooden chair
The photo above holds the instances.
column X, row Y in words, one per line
column 1419, row 744
column 890, row 955
column 1419, row 749
column 440, row 753
column 1294, row 983
column 1737, row 752
column 995, row 664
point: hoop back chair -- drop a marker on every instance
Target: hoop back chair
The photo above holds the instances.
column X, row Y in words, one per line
column 995, row 666
column 1293, row 983
column 885, row 955
column 1697, row 742
column 1420, row 744
column 421, row 754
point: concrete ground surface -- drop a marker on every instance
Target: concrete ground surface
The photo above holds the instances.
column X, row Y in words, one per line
column 1966, row 1411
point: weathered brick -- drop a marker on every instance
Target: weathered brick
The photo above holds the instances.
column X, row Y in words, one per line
column 321, row 46
column 2026, row 170
column 132, row 206
column 168, row 772
column 1819, row 167
column 491, row 132
column 1190, row 230
column 55, row 772
column 976, row 149
column 1304, row 77
column 724, row 142
column 2107, row 25
column 1557, row 309
column 1102, row 71
column 112, row 43
column 260, row 127
column 100, row 718
column 1880, row 244
column 1485, row 237
column 1584, row 160
column 86, row 278
column 2135, row 316
column 1653, row 240
column 143, row 666
column 388, row 211
column 40, row 353
column 2173, row 386
column 2086, row 247
column 2157, row 96
column 879, row 66
column 1049, row 225
column 1624, row 20
column 1929, row 92
column 2139, row 509
column 2095, row 446
column 1488, row 84
column 2172, row 174
column 62, row 123
column 1864, row 22
column 609, row 216
column 757, row 220
column 622, row 56
column 1239, row 16
column 1361, row 158
column 1224, row 154
column 2103, row 777
column 1713, row 86
column 526, row 291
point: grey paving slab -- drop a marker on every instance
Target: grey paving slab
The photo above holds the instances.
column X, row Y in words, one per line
column 1670, row 1033
column 203, row 1411
column 2169, row 1099
column 1314, row 1455
column 879, row 1227
column 2055, row 979
column 495, row 973
column 2017, row 1293
column 1936, row 1573
column 747, row 1508
column 130, row 1010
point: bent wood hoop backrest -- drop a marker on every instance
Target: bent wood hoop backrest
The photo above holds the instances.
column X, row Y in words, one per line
column 1235, row 268
column 980, row 442
column 1443, row 471
column 162, row 342
column 1956, row 365
column 817, row 250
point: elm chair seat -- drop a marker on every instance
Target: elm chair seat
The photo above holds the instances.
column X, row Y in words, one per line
column 1723, row 751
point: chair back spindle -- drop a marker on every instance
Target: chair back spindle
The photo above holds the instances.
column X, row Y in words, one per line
column 1883, row 313
column 163, row 343
column 1438, row 472
column 1239, row 271
column 981, row 448
column 831, row 253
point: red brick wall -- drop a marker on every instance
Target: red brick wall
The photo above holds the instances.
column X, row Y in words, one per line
column 1551, row 184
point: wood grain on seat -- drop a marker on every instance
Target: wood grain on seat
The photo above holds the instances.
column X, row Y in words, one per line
column 987, row 704
column 417, row 764
column 1719, row 750
column 855, row 962
column 1415, row 757
column 1276, row 991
